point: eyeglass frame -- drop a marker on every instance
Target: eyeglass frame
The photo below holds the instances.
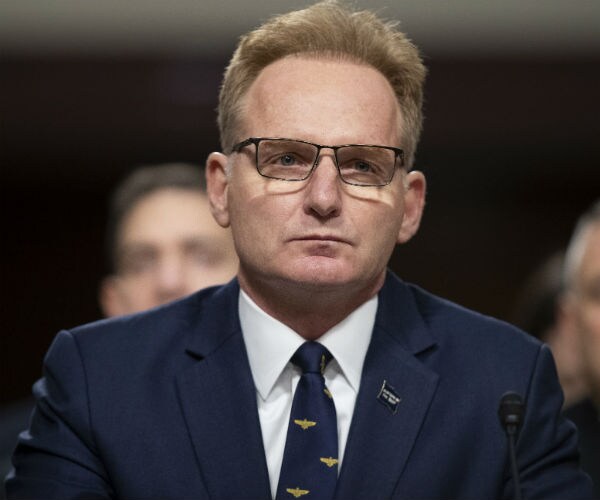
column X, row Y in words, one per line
column 398, row 154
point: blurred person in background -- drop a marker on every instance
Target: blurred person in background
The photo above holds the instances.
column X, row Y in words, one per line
column 162, row 241
column 580, row 311
column 538, row 312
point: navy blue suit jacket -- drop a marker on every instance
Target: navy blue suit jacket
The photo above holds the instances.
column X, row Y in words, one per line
column 163, row 405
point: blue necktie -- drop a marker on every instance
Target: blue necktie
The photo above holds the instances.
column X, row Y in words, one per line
column 309, row 469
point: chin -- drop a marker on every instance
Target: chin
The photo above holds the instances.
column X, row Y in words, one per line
column 319, row 271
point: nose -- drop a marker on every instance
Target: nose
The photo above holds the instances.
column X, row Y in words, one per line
column 170, row 280
column 323, row 192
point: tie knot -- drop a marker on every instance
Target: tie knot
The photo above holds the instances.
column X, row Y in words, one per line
column 312, row 357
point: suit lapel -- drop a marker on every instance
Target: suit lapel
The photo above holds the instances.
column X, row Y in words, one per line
column 382, row 435
column 218, row 400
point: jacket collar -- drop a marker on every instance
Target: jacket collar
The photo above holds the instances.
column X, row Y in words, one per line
column 215, row 320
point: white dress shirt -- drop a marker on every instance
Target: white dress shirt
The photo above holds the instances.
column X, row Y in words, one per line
column 270, row 345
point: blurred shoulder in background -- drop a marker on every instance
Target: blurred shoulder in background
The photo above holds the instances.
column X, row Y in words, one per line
column 560, row 305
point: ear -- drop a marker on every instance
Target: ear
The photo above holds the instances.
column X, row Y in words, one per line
column 109, row 297
column 217, row 182
column 414, row 203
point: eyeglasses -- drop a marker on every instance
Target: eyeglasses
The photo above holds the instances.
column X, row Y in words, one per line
column 294, row 160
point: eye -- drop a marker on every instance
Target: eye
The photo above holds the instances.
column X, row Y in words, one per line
column 362, row 166
column 201, row 253
column 287, row 160
column 138, row 260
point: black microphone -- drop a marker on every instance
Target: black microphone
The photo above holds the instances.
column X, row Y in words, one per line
column 511, row 412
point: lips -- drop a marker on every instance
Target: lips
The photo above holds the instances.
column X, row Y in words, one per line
column 321, row 237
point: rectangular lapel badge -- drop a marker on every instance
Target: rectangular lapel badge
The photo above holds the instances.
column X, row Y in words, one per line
column 387, row 396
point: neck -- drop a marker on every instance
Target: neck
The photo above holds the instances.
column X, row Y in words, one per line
column 308, row 310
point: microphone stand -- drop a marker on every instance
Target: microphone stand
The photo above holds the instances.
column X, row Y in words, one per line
column 511, row 412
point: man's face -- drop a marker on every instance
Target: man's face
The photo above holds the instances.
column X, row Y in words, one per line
column 319, row 232
column 586, row 305
column 169, row 246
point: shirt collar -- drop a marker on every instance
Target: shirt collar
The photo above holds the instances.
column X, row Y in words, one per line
column 349, row 340
column 270, row 344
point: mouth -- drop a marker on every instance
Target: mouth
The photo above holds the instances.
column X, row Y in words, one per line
column 324, row 238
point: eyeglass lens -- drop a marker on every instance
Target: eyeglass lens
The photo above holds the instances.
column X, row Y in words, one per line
column 294, row 160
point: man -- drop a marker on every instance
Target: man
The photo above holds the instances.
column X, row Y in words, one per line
column 226, row 394
column 162, row 241
column 580, row 309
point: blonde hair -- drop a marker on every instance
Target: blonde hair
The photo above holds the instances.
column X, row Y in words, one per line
column 330, row 30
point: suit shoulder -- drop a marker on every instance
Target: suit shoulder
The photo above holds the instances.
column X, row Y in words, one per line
column 448, row 320
column 148, row 329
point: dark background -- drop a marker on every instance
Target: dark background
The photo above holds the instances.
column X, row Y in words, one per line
column 510, row 150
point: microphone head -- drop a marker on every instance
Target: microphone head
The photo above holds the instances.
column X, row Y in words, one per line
column 511, row 409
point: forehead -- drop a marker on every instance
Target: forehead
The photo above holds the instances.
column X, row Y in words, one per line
column 329, row 101
column 165, row 213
